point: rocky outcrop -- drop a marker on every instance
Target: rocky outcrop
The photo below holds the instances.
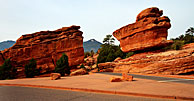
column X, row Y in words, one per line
column 169, row 62
column 149, row 31
column 46, row 47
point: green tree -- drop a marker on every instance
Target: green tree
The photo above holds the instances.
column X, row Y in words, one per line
column 177, row 45
column 187, row 38
column 7, row 71
column 129, row 54
column 30, row 68
column 109, row 40
column 82, row 66
column 109, row 53
column 62, row 65
column 190, row 31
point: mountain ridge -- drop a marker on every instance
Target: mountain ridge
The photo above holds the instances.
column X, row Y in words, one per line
column 6, row 44
column 91, row 44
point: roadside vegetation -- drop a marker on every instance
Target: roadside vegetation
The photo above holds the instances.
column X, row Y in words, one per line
column 31, row 69
column 91, row 53
column 62, row 65
column 7, row 71
column 183, row 39
column 109, row 51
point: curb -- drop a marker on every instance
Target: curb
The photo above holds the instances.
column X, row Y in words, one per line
column 102, row 91
column 170, row 76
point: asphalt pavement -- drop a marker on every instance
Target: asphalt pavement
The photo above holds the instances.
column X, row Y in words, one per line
column 93, row 84
column 13, row 93
column 157, row 78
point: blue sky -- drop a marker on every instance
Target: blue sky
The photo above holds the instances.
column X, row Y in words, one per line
column 97, row 18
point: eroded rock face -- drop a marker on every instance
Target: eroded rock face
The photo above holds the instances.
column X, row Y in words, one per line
column 46, row 47
column 149, row 30
column 168, row 63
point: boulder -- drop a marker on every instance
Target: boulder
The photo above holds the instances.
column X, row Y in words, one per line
column 89, row 61
column 149, row 31
column 55, row 76
column 46, row 47
column 79, row 72
column 115, row 79
column 127, row 77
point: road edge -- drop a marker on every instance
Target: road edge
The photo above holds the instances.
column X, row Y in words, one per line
column 101, row 91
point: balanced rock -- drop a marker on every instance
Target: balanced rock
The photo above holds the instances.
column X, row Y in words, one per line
column 55, row 76
column 149, row 31
column 46, row 47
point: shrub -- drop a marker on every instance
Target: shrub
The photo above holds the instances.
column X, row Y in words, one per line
column 30, row 68
column 177, row 45
column 62, row 65
column 109, row 53
column 187, row 38
column 129, row 54
column 7, row 71
column 82, row 66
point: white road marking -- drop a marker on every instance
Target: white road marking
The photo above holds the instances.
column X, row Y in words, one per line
column 174, row 80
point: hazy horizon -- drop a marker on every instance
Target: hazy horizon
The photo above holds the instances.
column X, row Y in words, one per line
column 97, row 18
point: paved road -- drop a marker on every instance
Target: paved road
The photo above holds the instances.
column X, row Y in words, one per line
column 12, row 93
column 159, row 79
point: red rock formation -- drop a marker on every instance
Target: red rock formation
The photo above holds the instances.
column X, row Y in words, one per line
column 47, row 47
column 149, row 30
column 169, row 62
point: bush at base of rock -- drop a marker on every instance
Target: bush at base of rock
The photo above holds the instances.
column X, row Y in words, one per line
column 30, row 68
column 62, row 65
column 79, row 72
column 115, row 79
column 7, row 71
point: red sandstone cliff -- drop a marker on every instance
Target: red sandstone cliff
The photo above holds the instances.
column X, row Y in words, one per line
column 47, row 47
column 149, row 30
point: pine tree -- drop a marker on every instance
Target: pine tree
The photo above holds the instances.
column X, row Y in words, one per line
column 30, row 68
column 7, row 71
column 62, row 65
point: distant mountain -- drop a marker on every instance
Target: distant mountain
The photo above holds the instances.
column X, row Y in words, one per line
column 6, row 44
column 91, row 44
